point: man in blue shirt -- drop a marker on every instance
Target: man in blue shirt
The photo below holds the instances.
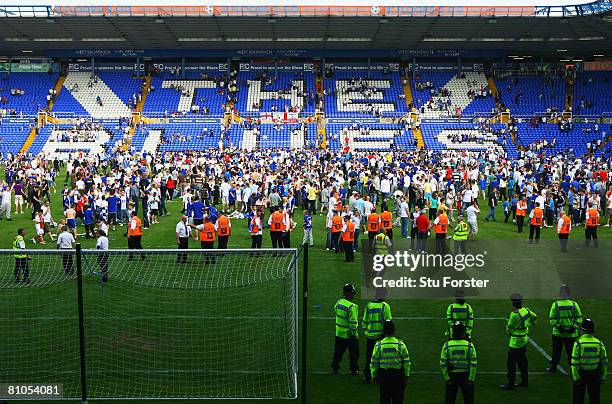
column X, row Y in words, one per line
column 113, row 206
column 88, row 221
column 196, row 210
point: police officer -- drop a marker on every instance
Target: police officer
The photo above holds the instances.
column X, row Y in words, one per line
column 21, row 259
column 460, row 235
column 519, row 322
column 461, row 312
column 458, row 362
column 589, row 364
column 390, row 366
column 381, row 244
column 565, row 318
column 347, row 314
column 374, row 316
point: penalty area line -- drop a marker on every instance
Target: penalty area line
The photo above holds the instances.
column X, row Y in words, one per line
column 545, row 354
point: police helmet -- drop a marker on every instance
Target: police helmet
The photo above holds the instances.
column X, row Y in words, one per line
column 564, row 292
column 459, row 330
column 381, row 293
column 588, row 326
column 388, row 327
column 348, row 289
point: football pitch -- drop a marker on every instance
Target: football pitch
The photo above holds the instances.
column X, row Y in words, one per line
column 127, row 325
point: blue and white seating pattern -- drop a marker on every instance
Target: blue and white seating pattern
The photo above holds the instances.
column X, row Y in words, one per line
column 536, row 95
column 35, row 86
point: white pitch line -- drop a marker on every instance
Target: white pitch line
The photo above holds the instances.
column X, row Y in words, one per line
column 51, row 318
column 545, row 354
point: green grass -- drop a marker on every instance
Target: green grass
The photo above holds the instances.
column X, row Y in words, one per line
column 119, row 338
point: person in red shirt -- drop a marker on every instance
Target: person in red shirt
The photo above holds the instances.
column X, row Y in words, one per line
column 423, row 225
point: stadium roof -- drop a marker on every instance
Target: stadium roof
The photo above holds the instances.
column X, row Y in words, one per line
column 580, row 34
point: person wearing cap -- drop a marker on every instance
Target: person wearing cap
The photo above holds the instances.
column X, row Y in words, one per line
column 461, row 312
column 390, row 366
column 102, row 257
column 458, row 362
column 520, row 321
column 460, row 235
column 589, row 364
column 565, row 318
column 375, row 314
column 347, row 322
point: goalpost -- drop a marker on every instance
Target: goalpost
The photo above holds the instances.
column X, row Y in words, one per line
column 209, row 324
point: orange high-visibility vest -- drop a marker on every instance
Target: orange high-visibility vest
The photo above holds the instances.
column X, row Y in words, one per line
column 277, row 222
column 373, row 224
column 386, row 220
column 566, row 226
column 521, row 208
column 442, row 226
column 336, row 224
column 349, row 234
column 223, row 226
column 254, row 226
column 138, row 230
column 593, row 218
column 536, row 220
column 208, row 232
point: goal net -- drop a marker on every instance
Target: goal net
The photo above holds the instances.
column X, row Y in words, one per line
column 215, row 324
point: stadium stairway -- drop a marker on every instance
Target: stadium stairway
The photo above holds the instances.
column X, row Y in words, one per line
column 322, row 131
column 58, row 88
column 407, row 91
column 138, row 109
column 569, row 93
column 418, row 136
column 492, row 86
column 112, row 106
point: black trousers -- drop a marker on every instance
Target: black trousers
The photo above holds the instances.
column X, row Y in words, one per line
column 335, row 241
column 21, row 265
column 440, row 243
column 590, row 380
column 275, row 236
column 590, row 233
column 534, row 229
column 340, row 346
column 256, row 240
column 563, row 241
column 517, row 357
column 181, row 257
column 89, row 230
column 460, row 246
column 135, row 243
column 459, row 381
column 558, row 343
column 286, row 239
column 349, row 256
column 370, row 343
column 67, row 262
column 208, row 245
column 392, row 386
column 223, row 242
column 103, row 264
column 520, row 221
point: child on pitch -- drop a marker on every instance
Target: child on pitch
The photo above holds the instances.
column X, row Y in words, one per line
column 308, row 229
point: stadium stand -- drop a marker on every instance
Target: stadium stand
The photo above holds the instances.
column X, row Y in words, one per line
column 359, row 93
column 446, row 94
column 170, row 94
column 280, row 91
column 592, row 93
column 550, row 138
column 443, row 136
column 529, row 94
column 104, row 96
column 13, row 136
column 370, row 137
column 25, row 93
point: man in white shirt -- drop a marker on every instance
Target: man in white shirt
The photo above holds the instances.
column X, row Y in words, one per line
column 102, row 256
column 65, row 241
column 472, row 212
column 182, row 239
